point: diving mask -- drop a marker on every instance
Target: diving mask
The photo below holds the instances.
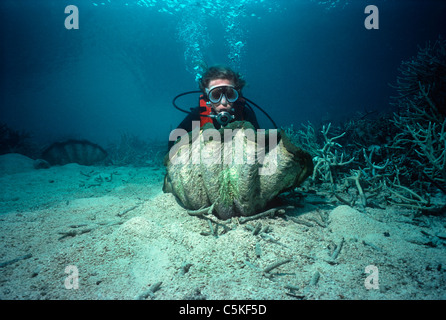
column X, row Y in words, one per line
column 216, row 93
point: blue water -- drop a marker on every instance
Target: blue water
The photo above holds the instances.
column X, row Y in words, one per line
column 304, row 60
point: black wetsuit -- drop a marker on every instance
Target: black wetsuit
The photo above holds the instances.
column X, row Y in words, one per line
column 194, row 115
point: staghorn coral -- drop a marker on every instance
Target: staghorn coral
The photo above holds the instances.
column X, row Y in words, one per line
column 421, row 85
column 421, row 116
column 397, row 159
column 15, row 141
column 133, row 151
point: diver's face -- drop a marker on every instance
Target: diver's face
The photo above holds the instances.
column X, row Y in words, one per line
column 223, row 105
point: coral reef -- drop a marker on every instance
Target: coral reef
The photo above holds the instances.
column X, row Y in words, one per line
column 397, row 159
column 133, row 151
column 14, row 141
column 421, row 85
column 421, row 116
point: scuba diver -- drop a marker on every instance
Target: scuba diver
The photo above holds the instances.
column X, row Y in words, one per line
column 233, row 192
column 221, row 101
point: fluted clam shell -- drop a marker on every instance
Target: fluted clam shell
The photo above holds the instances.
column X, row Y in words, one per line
column 74, row 151
column 234, row 188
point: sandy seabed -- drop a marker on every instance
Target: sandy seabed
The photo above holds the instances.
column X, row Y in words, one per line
column 77, row 232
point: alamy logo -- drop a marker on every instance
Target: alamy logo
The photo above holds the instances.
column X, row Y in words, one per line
column 372, row 280
column 72, row 281
column 372, row 20
column 72, row 21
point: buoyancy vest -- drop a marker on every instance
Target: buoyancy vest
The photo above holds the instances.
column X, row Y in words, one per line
column 205, row 111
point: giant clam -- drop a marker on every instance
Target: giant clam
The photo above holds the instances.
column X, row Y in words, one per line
column 78, row 151
column 238, row 177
